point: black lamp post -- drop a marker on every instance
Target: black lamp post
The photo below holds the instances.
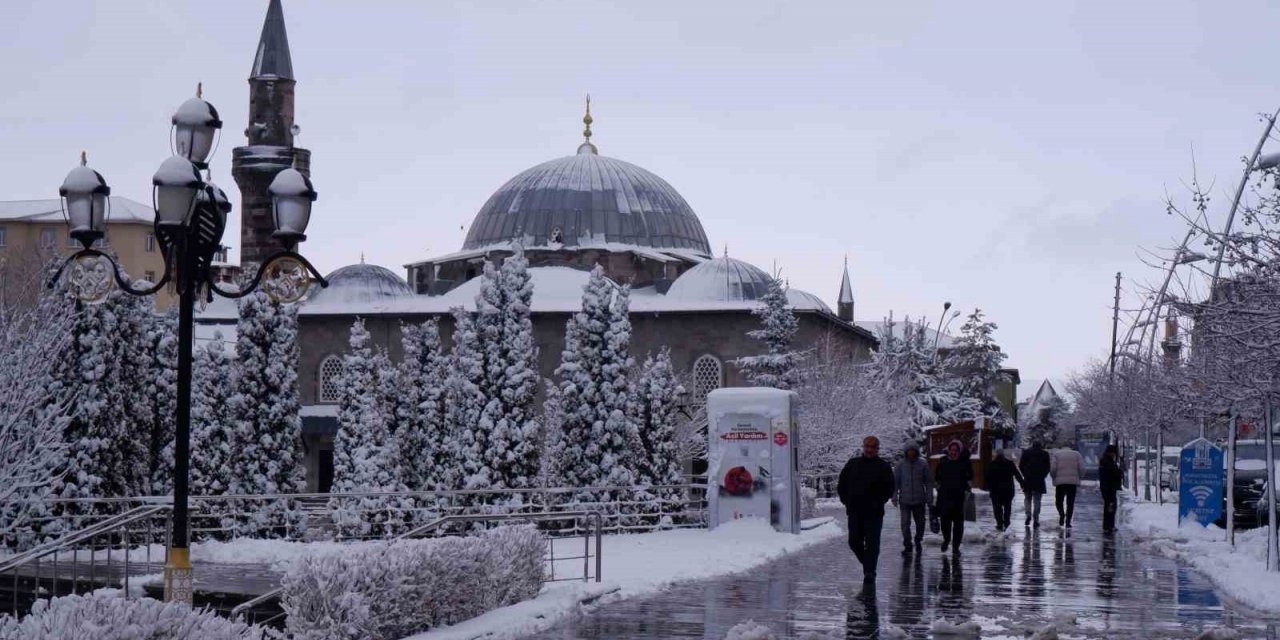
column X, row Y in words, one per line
column 191, row 214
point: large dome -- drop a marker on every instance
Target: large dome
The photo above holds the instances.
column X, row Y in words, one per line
column 357, row 283
column 585, row 200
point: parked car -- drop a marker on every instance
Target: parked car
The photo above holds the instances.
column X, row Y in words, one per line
column 1250, row 483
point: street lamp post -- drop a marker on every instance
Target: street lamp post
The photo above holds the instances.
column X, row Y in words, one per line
column 190, row 217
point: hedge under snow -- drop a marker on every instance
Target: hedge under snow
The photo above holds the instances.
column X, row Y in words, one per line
column 110, row 617
column 384, row 592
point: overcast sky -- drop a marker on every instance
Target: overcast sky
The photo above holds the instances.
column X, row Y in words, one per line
column 1004, row 155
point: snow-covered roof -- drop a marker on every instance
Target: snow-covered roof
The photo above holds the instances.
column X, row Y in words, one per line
column 123, row 211
column 723, row 279
column 803, row 299
column 945, row 340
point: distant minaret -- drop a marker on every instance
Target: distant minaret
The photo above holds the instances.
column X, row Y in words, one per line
column 270, row 133
column 844, row 305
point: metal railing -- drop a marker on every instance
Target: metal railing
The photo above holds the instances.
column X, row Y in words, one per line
column 114, row 536
column 594, row 529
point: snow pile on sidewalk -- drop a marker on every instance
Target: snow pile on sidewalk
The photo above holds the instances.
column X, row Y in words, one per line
column 750, row 630
column 1239, row 573
column 635, row 565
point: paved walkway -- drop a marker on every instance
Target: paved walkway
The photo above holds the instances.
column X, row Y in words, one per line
column 1116, row 590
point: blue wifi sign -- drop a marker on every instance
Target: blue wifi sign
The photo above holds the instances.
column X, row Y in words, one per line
column 1200, row 480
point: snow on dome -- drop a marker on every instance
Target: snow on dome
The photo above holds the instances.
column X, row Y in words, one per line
column 82, row 179
column 359, row 283
column 291, row 182
column 196, row 111
column 176, row 171
column 804, row 300
column 587, row 198
column 723, row 279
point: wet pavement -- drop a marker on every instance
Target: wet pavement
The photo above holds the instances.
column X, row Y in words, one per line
column 1114, row 588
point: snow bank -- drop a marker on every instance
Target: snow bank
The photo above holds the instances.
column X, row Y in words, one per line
column 635, row 565
column 750, row 630
column 110, row 617
column 1239, row 573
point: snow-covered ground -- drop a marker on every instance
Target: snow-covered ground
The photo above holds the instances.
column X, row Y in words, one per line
column 635, row 565
column 1239, row 573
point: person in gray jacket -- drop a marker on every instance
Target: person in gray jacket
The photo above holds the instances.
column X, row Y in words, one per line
column 1066, row 467
column 912, row 490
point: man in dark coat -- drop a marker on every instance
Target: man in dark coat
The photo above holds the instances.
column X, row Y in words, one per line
column 1001, row 475
column 1110, row 475
column 866, row 483
column 953, row 478
column 1034, row 466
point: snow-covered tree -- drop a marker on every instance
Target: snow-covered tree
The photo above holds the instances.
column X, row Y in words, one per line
column 365, row 454
column 421, row 407
column 597, row 437
column 505, row 329
column 908, row 365
column 778, row 366
column 974, row 361
column 462, row 451
column 657, row 397
column 1044, row 424
column 211, row 428
column 33, row 415
column 266, row 430
column 161, row 389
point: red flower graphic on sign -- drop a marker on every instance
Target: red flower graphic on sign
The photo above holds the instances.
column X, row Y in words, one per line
column 737, row 482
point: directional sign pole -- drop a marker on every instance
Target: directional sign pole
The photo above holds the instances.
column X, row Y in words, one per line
column 1273, row 552
column 1231, row 476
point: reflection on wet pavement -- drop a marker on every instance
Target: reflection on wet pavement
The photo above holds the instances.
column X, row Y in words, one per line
column 1017, row 582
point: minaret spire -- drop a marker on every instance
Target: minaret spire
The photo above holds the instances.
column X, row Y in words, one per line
column 586, row 146
column 844, row 304
column 272, row 58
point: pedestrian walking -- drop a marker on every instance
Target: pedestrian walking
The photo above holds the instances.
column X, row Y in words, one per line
column 865, row 484
column 1067, row 468
column 953, row 477
column 912, row 491
column 1001, row 476
column 1034, row 465
column 1110, row 476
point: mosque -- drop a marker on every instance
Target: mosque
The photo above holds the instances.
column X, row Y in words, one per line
column 568, row 215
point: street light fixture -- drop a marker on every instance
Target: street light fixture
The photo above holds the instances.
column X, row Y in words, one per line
column 190, row 217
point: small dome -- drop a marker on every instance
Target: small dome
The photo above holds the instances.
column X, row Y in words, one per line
column 360, row 283
column 801, row 299
column 724, row 279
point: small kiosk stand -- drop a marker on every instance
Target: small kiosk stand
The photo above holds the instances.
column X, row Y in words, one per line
column 753, row 468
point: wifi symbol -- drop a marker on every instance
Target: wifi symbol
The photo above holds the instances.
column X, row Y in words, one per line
column 1201, row 493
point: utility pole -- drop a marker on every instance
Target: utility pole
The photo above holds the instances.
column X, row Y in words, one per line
column 1115, row 325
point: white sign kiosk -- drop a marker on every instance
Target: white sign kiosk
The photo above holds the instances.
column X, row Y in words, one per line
column 753, row 465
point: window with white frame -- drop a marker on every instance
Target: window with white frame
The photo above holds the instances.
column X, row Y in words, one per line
column 48, row 238
column 708, row 375
column 151, row 242
column 330, row 376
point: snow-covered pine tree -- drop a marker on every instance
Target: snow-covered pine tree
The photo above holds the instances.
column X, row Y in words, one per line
column 597, row 438
column 974, row 362
column 266, row 430
column 657, row 397
column 211, row 429
column 161, row 377
column 421, row 408
column 778, row 366
column 462, row 456
column 365, row 454
column 1044, row 423
column 511, row 379
column 132, row 368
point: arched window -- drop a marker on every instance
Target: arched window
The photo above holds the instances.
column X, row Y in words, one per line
column 708, row 375
column 330, row 373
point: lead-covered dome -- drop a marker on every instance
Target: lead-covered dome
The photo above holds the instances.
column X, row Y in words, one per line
column 587, row 200
column 360, row 283
column 724, row 279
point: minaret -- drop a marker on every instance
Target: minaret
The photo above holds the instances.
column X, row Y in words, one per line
column 844, row 305
column 270, row 132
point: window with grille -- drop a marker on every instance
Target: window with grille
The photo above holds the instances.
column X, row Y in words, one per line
column 330, row 374
column 708, row 375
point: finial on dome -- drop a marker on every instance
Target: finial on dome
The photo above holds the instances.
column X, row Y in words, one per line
column 361, row 257
column 726, row 249
column 586, row 146
column 84, row 160
column 199, row 89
